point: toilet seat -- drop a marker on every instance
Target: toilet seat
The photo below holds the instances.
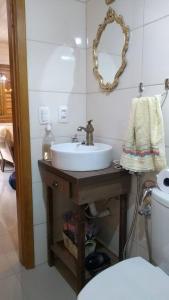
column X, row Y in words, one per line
column 132, row 279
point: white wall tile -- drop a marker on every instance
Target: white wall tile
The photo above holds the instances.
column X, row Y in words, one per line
column 148, row 62
column 96, row 13
column 157, row 90
column 141, row 251
column 110, row 118
column 56, row 42
column 40, row 242
column 132, row 12
column 56, row 21
column 76, row 110
column 36, row 154
column 141, row 237
column 132, row 75
column 155, row 52
column 116, row 145
column 39, row 205
column 64, row 79
column 56, row 68
column 111, row 224
column 155, row 9
column 92, row 83
column 132, row 249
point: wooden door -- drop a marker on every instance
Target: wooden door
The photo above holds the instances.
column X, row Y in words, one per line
column 20, row 111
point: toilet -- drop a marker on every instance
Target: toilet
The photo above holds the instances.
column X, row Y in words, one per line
column 135, row 278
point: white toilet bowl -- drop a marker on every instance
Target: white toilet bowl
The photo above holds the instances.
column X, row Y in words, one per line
column 132, row 279
column 135, row 278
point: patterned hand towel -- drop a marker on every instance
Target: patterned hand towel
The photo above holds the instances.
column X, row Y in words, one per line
column 144, row 149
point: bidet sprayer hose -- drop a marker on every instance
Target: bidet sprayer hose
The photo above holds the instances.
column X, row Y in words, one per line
column 140, row 197
column 132, row 228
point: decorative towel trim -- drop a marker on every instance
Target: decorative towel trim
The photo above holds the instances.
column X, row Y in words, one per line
column 141, row 153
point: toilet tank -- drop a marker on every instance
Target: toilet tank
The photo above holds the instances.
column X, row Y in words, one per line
column 160, row 229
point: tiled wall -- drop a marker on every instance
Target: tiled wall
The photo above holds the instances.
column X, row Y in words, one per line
column 56, row 43
column 148, row 62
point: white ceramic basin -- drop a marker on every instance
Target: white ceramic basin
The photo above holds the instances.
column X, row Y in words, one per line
column 78, row 157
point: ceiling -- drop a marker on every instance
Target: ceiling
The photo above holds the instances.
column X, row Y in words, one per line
column 3, row 22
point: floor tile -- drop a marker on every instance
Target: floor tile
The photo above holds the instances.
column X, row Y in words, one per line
column 3, row 229
column 6, row 245
column 8, row 213
column 45, row 283
column 17, row 283
column 11, row 289
column 15, row 263
column 8, row 225
column 5, row 267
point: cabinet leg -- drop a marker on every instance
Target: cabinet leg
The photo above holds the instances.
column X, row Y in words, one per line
column 81, row 248
column 50, row 225
column 123, row 225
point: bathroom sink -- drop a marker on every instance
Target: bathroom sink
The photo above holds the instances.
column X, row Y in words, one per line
column 79, row 157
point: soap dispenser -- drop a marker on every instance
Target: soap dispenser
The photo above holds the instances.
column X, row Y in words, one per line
column 48, row 141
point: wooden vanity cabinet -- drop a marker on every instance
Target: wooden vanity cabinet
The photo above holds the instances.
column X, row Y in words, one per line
column 79, row 189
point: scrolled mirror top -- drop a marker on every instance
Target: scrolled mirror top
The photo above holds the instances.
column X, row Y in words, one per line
column 109, row 56
column 109, row 1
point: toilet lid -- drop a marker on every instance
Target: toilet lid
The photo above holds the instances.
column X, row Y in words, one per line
column 132, row 279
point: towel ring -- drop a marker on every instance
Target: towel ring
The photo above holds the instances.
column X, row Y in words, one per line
column 165, row 94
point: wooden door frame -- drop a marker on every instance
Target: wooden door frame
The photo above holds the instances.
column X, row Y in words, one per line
column 19, row 82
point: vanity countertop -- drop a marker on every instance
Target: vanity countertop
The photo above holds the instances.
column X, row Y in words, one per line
column 84, row 177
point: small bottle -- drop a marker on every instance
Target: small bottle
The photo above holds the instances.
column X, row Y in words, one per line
column 48, row 141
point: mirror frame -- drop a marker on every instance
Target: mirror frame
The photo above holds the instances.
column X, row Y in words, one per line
column 111, row 17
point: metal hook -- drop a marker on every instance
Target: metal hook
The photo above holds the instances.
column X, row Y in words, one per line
column 167, row 84
column 141, row 88
column 165, row 94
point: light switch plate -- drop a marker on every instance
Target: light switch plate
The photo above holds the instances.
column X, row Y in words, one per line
column 63, row 114
column 44, row 115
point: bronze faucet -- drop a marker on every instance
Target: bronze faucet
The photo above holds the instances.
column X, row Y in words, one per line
column 89, row 133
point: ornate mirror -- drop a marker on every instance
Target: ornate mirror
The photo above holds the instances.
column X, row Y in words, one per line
column 109, row 50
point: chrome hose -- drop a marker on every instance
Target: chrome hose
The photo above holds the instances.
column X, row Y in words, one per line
column 148, row 238
column 135, row 215
column 146, row 212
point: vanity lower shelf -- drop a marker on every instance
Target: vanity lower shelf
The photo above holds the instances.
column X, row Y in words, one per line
column 65, row 256
column 68, row 260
